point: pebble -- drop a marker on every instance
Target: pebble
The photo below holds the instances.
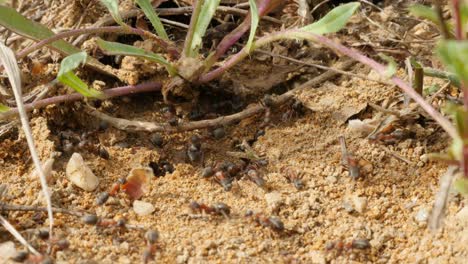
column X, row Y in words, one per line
column 462, row 215
column 360, row 204
column 7, row 250
column 317, row 257
column 422, row 215
column 348, row 207
column 80, row 174
column 331, row 179
column 274, row 200
column 143, row 208
column 47, row 168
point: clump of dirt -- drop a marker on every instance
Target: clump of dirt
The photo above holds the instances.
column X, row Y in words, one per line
column 379, row 217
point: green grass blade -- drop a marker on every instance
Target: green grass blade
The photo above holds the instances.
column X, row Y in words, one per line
column 114, row 48
column 207, row 12
column 67, row 77
column 4, row 108
column 334, row 20
column 430, row 14
column 423, row 11
column 113, row 7
column 147, row 8
column 454, row 55
column 14, row 21
column 254, row 23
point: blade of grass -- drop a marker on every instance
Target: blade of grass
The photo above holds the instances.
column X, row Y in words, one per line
column 253, row 25
column 113, row 7
column 67, row 77
column 4, row 108
column 11, row 67
column 192, row 27
column 207, row 12
column 114, row 48
column 147, row 8
column 333, row 20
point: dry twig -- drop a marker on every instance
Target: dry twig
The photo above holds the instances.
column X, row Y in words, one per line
column 131, row 125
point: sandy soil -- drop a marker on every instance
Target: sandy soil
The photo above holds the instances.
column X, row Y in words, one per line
column 386, row 208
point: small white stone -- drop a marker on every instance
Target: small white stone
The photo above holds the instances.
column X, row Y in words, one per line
column 47, row 168
column 462, row 215
column 317, row 257
column 80, row 174
column 274, row 200
column 422, row 215
column 424, row 158
column 7, row 251
column 360, row 204
column 143, row 208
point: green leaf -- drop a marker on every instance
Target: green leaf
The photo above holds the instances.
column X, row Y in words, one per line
column 207, row 12
column 392, row 66
column 253, row 25
column 334, row 20
column 147, row 8
column 454, row 54
column 428, row 13
column 424, row 11
column 431, row 89
column 14, row 21
column 4, row 108
column 113, row 7
column 461, row 185
column 114, row 48
column 67, row 77
column 72, row 62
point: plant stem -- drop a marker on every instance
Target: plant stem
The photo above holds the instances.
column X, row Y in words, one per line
column 440, row 17
column 442, row 75
column 263, row 8
column 114, row 29
column 114, row 92
column 187, row 52
column 457, row 20
column 379, row 68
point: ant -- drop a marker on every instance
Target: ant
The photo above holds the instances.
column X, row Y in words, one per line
column 339, row 246
column 255, row 176
column 272, row 222
column 217, row 209
column 348, row 160
column 223, row 179
column 293, row 177
column 294, row 109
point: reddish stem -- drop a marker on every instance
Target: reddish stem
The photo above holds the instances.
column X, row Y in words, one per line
column 114, row 92
column 457, row 20
column 230, row 39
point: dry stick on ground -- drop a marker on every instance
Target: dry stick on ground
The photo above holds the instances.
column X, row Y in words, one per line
column 18, row 236
column 130, row 125
column 25, row 208
column 440, row 201
column 14, row 207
